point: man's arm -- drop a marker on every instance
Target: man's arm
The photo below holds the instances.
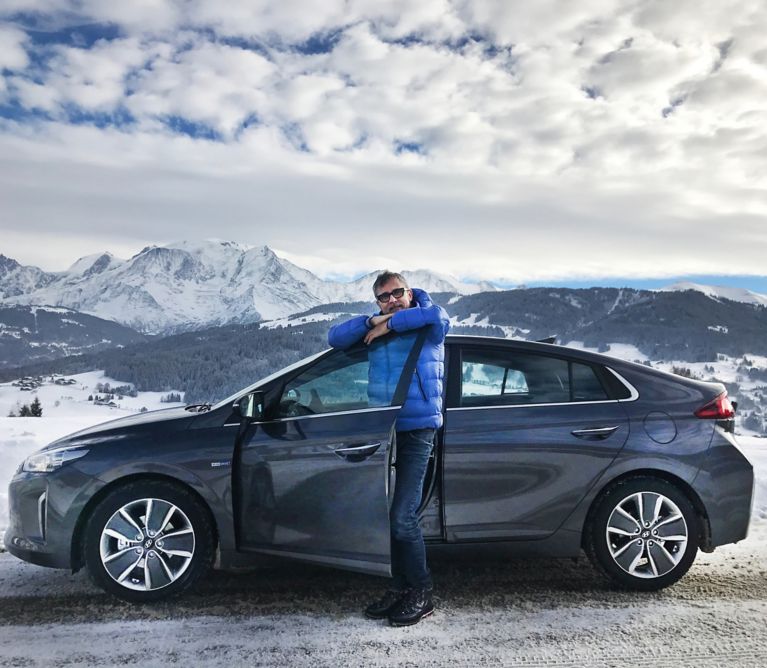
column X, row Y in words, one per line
column 347, row 333
column 433, row 316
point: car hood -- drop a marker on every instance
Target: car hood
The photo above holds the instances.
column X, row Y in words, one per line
column 167, row 419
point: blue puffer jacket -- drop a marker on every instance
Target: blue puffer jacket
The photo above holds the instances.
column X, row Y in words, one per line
column 423, row 405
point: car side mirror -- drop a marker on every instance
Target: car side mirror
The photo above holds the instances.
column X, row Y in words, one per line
column 251, row 406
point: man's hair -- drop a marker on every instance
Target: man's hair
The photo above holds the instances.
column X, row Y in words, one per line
column 385, row 276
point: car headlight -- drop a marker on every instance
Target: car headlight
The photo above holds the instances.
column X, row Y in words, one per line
column 50, row 460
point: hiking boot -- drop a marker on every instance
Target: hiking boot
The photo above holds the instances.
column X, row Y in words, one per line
column 412, row 608
column 383, row 606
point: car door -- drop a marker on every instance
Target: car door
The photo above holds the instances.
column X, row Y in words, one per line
column 526, row 436
column 312, row 480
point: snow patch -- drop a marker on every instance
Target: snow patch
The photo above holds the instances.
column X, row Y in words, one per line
column 299, row 320
column 717, row 292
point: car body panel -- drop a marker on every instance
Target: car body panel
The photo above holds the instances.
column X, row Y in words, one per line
column 298, row 497
column 518, row 471
column 725, row 467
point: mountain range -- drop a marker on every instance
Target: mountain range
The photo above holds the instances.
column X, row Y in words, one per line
column 191, row 285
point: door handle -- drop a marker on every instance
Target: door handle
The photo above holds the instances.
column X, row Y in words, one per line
column 598, row 434
column 356, row 453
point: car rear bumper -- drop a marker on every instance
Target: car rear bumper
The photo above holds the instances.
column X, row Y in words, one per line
column 725, row 485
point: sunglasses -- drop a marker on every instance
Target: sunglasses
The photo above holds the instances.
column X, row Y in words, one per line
column 396, row 293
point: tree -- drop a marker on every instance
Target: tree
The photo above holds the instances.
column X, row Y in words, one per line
column 753, row 422
column 36, row 409
column 24, row 411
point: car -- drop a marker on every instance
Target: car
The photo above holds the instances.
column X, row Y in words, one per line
column 545, row 450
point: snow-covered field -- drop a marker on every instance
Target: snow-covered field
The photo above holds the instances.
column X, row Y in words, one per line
column 71, row 401
column 66, row 409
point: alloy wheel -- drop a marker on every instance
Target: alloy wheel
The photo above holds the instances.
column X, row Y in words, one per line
column 147, row 544
column 647, row 535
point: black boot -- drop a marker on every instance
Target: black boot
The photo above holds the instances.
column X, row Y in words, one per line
column 383, row 606
column 413, row 607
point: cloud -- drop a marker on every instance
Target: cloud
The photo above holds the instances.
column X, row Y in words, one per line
column 498, row 140
column 13, row 55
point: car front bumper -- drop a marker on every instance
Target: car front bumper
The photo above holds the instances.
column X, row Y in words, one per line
column 42, row 517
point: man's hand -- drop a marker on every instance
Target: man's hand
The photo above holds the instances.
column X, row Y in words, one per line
column 381, row 329
column 378, row 319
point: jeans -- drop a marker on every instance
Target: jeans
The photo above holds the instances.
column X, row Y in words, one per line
column 408, row 553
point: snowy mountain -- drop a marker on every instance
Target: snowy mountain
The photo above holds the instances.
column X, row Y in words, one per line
column 719, row 292
column 189, row 285
column 16, row 279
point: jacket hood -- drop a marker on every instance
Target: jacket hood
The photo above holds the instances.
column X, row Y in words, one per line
column 421, row 297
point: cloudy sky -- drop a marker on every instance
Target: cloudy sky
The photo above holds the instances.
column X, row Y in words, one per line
column 513, row 141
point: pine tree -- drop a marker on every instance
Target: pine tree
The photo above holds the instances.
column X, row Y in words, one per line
column 36, row 409
column 24, row 411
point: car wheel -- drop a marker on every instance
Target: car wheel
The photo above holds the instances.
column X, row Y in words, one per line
column 643, row 534
column 148, row 540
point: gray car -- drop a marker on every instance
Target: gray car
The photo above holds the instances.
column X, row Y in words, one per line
column 545, row 450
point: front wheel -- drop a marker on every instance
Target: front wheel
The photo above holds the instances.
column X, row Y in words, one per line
column 643, row 534
column 148, row 540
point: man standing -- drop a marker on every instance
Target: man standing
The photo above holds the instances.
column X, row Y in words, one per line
column 409, row 598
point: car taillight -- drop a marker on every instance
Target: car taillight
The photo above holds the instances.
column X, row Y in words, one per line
column 718, row 409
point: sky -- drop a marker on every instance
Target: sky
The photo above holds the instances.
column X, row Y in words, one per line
column 519, row 142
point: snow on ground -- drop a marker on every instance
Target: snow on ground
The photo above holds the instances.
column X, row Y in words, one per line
column 62, row 401
column 66, row 409
column 509, row 331
column 623, row 351
column 293, row 321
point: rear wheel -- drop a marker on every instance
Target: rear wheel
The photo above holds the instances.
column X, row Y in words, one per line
column 643, row 534
column 148, row 540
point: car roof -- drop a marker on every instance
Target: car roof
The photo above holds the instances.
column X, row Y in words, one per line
column 535, row 346
column 495, row 341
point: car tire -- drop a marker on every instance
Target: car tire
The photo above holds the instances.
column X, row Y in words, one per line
column 643, row 547
column 148, row 540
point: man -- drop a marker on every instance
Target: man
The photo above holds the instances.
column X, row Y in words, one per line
column 403, row 309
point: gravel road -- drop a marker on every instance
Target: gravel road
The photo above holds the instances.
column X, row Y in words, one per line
column 513, row 613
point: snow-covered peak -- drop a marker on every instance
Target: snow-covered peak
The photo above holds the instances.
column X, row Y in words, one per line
column 719, row 292
column 210, row 248
column 7, row 264
column 419, row 278
column 93, row 264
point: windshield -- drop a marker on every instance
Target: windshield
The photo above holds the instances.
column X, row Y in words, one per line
column 270, row 378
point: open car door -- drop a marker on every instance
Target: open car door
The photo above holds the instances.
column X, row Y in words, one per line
column 311, row 481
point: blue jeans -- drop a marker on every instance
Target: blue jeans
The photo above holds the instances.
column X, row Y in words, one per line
column 408, row 553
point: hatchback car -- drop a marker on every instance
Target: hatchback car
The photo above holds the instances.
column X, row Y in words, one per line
column 545, row 450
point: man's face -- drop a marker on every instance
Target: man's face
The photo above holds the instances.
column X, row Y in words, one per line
column 393, row 304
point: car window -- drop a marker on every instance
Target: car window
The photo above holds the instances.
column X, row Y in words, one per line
column 500, row 378
column 354, row 379
column 585, row 384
